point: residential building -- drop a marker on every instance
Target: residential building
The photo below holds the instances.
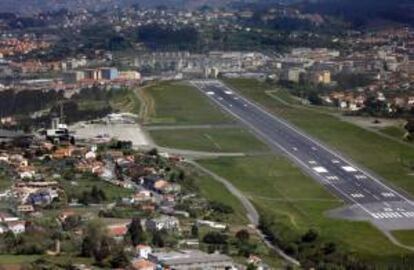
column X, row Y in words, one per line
column 191, row 260
column 109, row 73
column 163, row 223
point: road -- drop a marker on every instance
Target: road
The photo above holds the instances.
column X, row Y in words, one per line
column 369, row 197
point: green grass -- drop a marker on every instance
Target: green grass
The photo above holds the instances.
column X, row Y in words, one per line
column 17, row 259
column 388, row 158
column 279, row 189
column 212, row 140
column 26, row 259
column 125, row 100
column 405, row 237
column 112, row 192
column 394, row 131
column 182, row 104
column 215, row 191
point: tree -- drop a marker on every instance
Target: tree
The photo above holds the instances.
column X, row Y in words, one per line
column 310, row 236
column 119, row 260
column 135, row 231
column 194, row 231
column 409, row 126
column 243, row 236
column 215, row 238
column 96, row 242
column 158, row 239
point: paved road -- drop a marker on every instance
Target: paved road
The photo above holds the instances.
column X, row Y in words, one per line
column 368, row 197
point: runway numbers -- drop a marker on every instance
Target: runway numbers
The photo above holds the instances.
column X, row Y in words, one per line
column 349, row 169
column 332, row 177
column 357, row 195
column 388, row 194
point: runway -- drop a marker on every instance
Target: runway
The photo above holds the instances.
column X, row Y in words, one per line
column 368, row 197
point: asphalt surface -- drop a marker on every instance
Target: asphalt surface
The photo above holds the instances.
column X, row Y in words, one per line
column 369, row 198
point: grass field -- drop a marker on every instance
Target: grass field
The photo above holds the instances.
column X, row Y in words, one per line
column 405, row 237
column 178, row 103
column 212, row 190
column 112, row 192
column 394, row 131
column 211, row 140
column 125, row 101
column 390, row 159
column 279, row 189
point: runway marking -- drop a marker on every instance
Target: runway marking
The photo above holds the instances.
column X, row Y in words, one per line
column 335, row 161
column 388, row 194
column 228, row 92
column 288, row 126
column 210, row 93
column 349, row 169
column 392, row 215
column 312, row 162
column 320, row 169
column 360, row 176
column 357, row 195
column 332, row 177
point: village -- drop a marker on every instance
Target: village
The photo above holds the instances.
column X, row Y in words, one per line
column 143, row 202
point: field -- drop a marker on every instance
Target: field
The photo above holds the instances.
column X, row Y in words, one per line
column 86, row 183
column 211, row 140
column 405, row 237
column 181, row 104
column 389, row 159
column 279, row 189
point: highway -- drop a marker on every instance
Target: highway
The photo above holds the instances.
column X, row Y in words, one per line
column 368, row 197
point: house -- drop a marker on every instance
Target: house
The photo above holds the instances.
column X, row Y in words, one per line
column 143, row 264
column 25, row 208
column 142, row 196
column 26, row 172
column 118, row 230
column 211, row 224
column 163, row 223
column 6, row 217
column 142, row 251
column 63, row 152
column 16, row 227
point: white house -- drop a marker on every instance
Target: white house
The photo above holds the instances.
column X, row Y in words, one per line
column 17, row 227
column 142, row 251
column 163, row 223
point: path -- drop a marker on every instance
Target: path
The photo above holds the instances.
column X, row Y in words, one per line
column 252, row 213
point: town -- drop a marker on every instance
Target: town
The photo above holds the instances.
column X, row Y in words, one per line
column 158, row 137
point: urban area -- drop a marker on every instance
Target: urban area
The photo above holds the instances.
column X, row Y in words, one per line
column 206, row 134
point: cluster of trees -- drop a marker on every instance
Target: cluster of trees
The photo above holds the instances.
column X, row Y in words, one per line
column 158, row 37
column 364, row 13
column 24, row 102
column 98, row 245
column 95, row 195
